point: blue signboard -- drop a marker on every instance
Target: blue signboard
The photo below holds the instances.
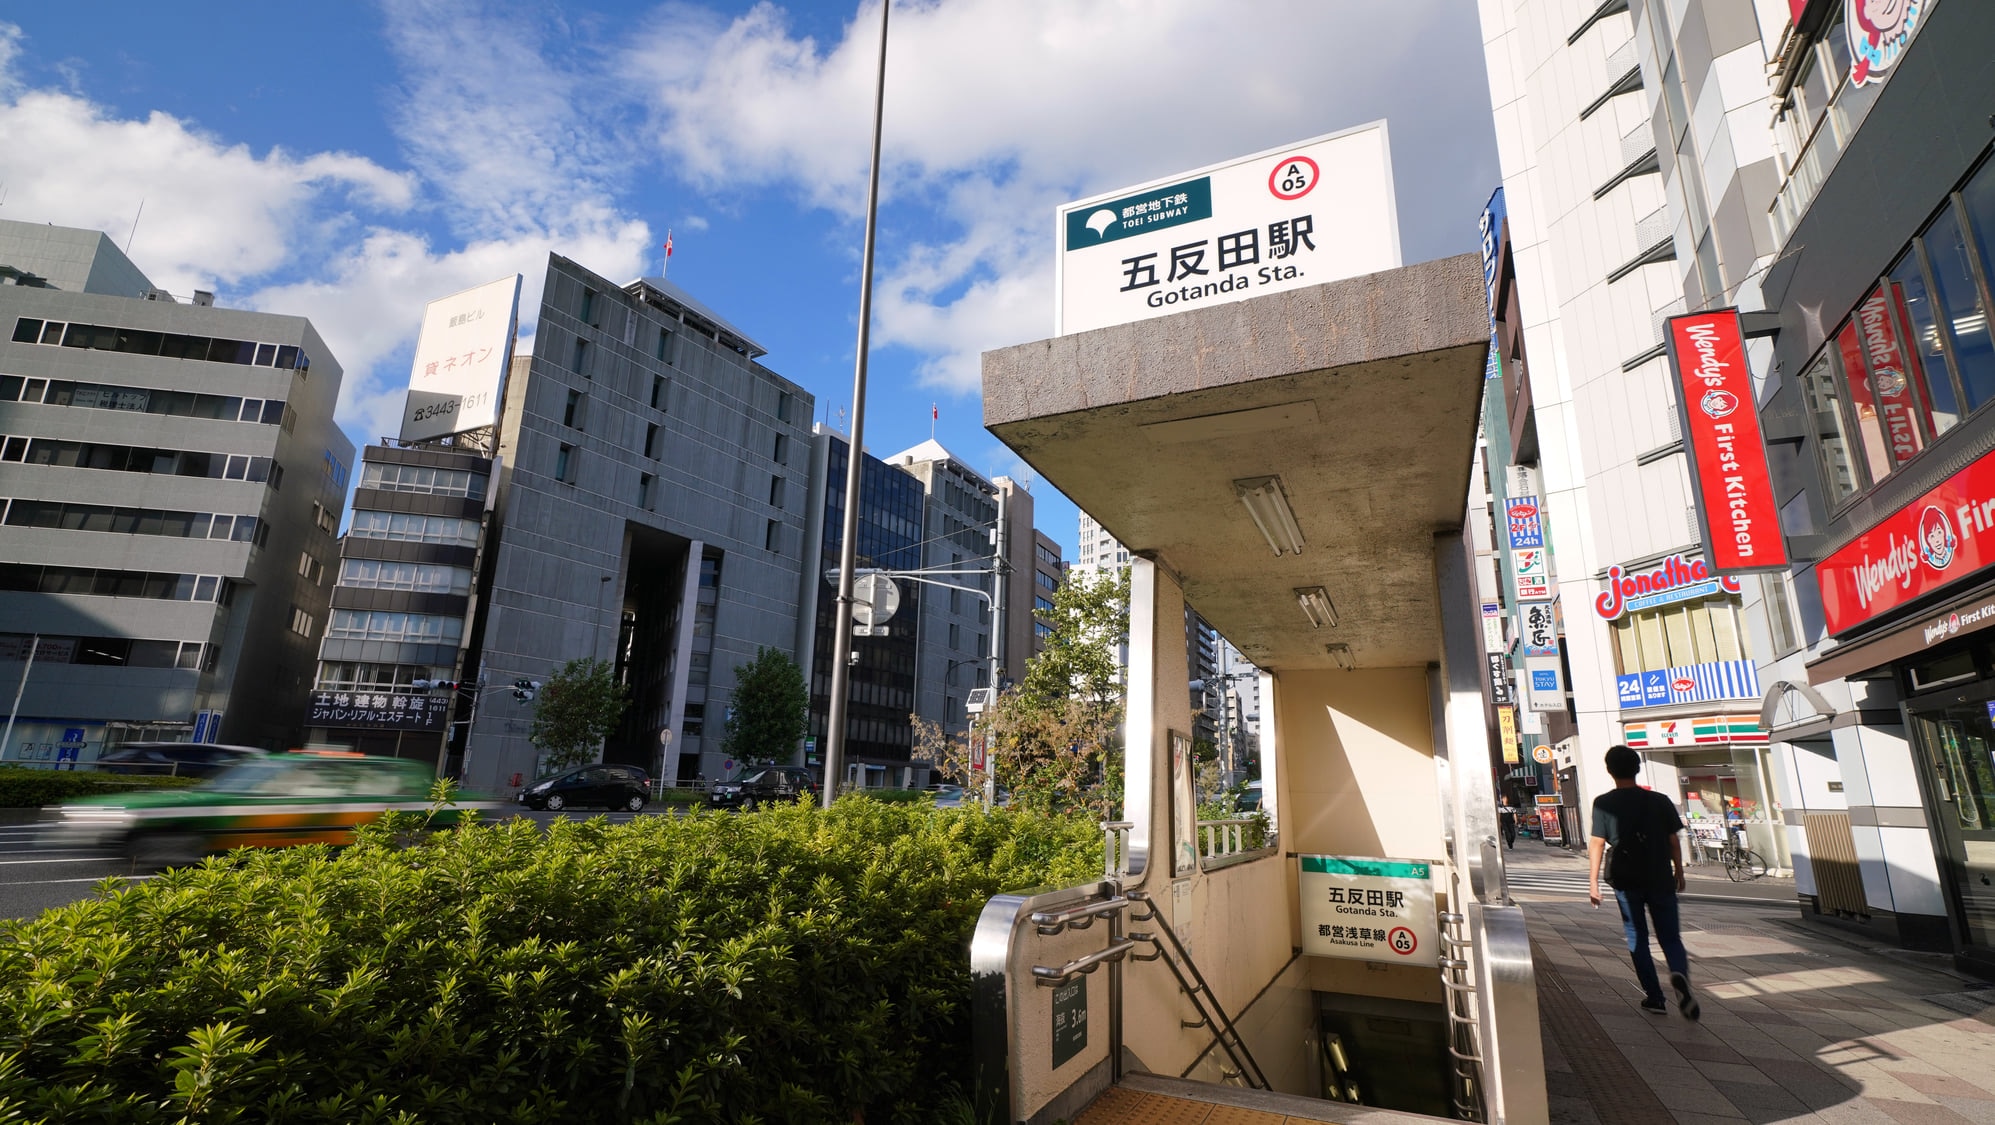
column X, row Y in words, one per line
column 1545, row 679
column 1688, row 683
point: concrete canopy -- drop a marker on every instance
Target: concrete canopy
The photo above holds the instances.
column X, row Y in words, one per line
column 1363, row 395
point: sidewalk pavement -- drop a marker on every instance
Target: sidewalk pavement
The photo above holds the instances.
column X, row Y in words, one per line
column 1800, row 1022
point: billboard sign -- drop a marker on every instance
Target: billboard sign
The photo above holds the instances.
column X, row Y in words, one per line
column 377, row 711
column 1506, row 727
column 1533, row 574
column 1499, row 678
column 1539, row 631
column 1526, row 524
column 1736, row 509
column 1877, row 34
column 1546, row 687
column 1305, row 214
column 1940, row 538
column 1366, row 909
column 1677, row 578
column 459, row 372
column 1688, row 683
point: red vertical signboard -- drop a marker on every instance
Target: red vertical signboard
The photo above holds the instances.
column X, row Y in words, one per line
column 1728, row 472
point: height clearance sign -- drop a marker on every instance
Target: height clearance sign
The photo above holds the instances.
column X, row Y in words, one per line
column 1728, row 473
column 1311, row 212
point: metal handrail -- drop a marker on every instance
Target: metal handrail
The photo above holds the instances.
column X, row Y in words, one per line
column 1086, row 963
column 1179, row 961
column 1078, row 918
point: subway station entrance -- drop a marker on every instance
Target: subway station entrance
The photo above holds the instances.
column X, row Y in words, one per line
column 1296, row 467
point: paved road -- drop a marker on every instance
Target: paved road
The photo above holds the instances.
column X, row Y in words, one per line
column 34, row 878
column 1536, row 871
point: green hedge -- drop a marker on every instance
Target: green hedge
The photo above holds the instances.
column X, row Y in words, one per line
column 800, row 965
column 33, row 788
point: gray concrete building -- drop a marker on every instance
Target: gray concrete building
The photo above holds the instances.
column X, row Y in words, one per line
column 171, row 480
column 958, row 524
column 651, row 512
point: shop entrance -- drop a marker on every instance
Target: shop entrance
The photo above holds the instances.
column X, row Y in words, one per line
column 1955, row 737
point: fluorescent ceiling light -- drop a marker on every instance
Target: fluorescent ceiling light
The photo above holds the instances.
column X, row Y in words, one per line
column 1316, row 606
column 1341, row 653
column 1269, row 506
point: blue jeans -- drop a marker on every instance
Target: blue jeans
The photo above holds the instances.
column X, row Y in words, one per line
column 1661, row 905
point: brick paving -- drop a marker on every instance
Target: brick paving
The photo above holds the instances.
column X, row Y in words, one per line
column 1800, row 1023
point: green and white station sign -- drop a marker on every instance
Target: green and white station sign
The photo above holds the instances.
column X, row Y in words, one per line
column 1368, row 909
column 1299, row 215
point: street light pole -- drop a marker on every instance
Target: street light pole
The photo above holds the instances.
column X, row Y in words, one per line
column 7, row 739
column 855, row 460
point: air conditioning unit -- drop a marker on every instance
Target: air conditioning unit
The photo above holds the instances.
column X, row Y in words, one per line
column 979, row 700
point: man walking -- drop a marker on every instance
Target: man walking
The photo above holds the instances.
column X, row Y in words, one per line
column 1506, row 818
column 1634, row 832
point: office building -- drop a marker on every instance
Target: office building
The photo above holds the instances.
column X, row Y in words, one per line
column 959, row 524
column 402, row 604
column 1096, row 549
column 172, row 482
column 879, row 736
column 1638, row 174
column 651, row 512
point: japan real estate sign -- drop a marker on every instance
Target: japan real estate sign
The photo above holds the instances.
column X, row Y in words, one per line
column 1728, row 473
column 1311, row 212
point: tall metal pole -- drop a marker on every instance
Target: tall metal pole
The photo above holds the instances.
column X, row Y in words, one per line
column 7, row 739
column 1000, row 545
column 855, row 456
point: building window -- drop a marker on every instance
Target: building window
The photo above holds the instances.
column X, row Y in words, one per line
column 302, row 623
column 1041, row 605
column 579, row 362
column 780, row 450
column 983, row 646
column 784, row 402
column 110, row 651
column 775, row 492
column 571, row 415
column 644, row 491
column 955, row 636
column 1046, row 555
column 422, row 480
column 709, row 573
column 589, row 308
column 407, row 527
column 651, row 440
column 658, row 392
column 564, row 464
column 141, row 400
column 1779, row 614
column 1042, row 630
column 1672, row 636
column 1045, row 580
column 665, row 349
column 33, row 579
column 100, row 337
column 772, row 535
column 414, row 628
column 130, row 521
column 422, row 578
column 309, row 568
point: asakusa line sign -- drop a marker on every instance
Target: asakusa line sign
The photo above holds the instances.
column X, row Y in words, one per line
column 1942, row 537
column 1735, row 503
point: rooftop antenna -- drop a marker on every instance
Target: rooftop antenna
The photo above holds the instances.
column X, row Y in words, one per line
column 135, row 227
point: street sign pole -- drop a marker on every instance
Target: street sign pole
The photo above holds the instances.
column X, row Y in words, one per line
column 855, row 461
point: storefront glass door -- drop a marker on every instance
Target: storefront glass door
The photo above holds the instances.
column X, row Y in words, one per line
column 1956, row 743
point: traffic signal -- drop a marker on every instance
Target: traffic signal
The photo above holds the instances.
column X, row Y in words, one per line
column 523, row 690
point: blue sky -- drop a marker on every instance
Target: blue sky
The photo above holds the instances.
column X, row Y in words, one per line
column 349, row 162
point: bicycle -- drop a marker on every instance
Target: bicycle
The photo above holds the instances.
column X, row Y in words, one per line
column 1742, row 864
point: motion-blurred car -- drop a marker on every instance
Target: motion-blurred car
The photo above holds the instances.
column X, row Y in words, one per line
column 947, row 796
column 777, row 784
column 271, row 801
column 174, row 759
column 1250, row 799
column 599, row 786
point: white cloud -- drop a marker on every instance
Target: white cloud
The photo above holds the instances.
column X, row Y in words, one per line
column 997, row 110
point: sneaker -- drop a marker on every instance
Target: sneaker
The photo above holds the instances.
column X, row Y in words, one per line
column 1685, row 1002
column 1653, row 1004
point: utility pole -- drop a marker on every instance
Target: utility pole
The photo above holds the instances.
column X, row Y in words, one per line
column 7, row 739
column 1000, row 572
column 855, row 461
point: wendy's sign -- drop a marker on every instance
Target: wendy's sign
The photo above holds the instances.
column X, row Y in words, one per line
column 1938, row 539
column 1728, row 471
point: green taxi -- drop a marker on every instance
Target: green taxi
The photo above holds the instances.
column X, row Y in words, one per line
column 275, row 801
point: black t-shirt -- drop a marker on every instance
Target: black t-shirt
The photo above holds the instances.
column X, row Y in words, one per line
column 1620, row 812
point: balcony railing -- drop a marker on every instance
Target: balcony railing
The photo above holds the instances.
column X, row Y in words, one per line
column 1818, row 155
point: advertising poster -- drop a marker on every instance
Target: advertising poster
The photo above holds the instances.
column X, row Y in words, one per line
column 1364, row 909
column 1548, row 818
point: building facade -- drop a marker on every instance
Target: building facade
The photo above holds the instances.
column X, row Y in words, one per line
column 172, row 482
column 959, row 533
column 402, row 604
column 651, row 512
column 1638, row 174
column 879, row 734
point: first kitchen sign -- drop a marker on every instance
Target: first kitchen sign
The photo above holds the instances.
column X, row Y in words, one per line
column 1728, row 471
column 1368, row 909
column 1938, row 539
column 1302, row 215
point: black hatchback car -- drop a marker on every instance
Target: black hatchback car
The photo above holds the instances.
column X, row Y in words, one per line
column 777, row 784
column 596, row 786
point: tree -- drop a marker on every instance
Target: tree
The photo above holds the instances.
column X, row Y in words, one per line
column 1054, row 736
column 577, row 708
column 770, row 709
